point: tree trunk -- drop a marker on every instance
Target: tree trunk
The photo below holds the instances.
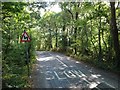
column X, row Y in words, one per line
column 75, row 32
column 99, row 37
column 114, row 32
column 50, row 39
column 56, row 44
column 64, row 39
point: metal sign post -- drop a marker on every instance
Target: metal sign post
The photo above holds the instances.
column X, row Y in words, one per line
column 27, row 58
column 25, row 38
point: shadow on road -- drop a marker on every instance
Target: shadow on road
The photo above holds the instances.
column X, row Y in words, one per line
column 55, row 70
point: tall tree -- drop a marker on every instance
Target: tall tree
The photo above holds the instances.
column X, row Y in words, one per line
column 99, row 35
column 75, row 29
column 114, row 32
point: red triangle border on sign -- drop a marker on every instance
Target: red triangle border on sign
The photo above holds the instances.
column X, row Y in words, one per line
column 25, row 40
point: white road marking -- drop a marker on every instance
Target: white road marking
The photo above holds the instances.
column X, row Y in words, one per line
column 73, row 75
column 76, row 72
column 109, row 84
column 82, row 73
column 61, row 62
column 49, row 75
column 70, row 76
column 58, row 76
column 94, row 83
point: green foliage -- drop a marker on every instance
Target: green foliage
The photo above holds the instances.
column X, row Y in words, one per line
column 15, row 21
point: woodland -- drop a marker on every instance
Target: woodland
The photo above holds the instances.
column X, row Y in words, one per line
column 87, row 31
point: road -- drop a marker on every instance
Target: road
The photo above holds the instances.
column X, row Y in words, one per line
column 55, row 70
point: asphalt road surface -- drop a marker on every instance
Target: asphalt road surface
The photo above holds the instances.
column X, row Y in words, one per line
column 55, row 70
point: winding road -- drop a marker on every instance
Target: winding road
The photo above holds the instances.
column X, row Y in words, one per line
column 55, row 70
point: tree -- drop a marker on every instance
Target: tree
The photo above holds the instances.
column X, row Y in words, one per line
column 114, row 32
column 15, row 20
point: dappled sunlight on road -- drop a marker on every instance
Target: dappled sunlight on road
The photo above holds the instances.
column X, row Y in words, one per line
column 93, row 85
column 77, row 62
column 63, row 72
column 45, row 59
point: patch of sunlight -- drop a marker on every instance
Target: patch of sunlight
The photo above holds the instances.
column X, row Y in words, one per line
column 68, row 58
column 95, row 76
column 93, row 85
column 102, row 78
column 45, row 59
column 60, row 87
column 77, row 62
column 72, row 86
column 71, row 66
column 37, row 69
column 62, row 68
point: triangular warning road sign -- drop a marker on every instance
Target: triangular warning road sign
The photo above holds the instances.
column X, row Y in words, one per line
column 25, row 37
